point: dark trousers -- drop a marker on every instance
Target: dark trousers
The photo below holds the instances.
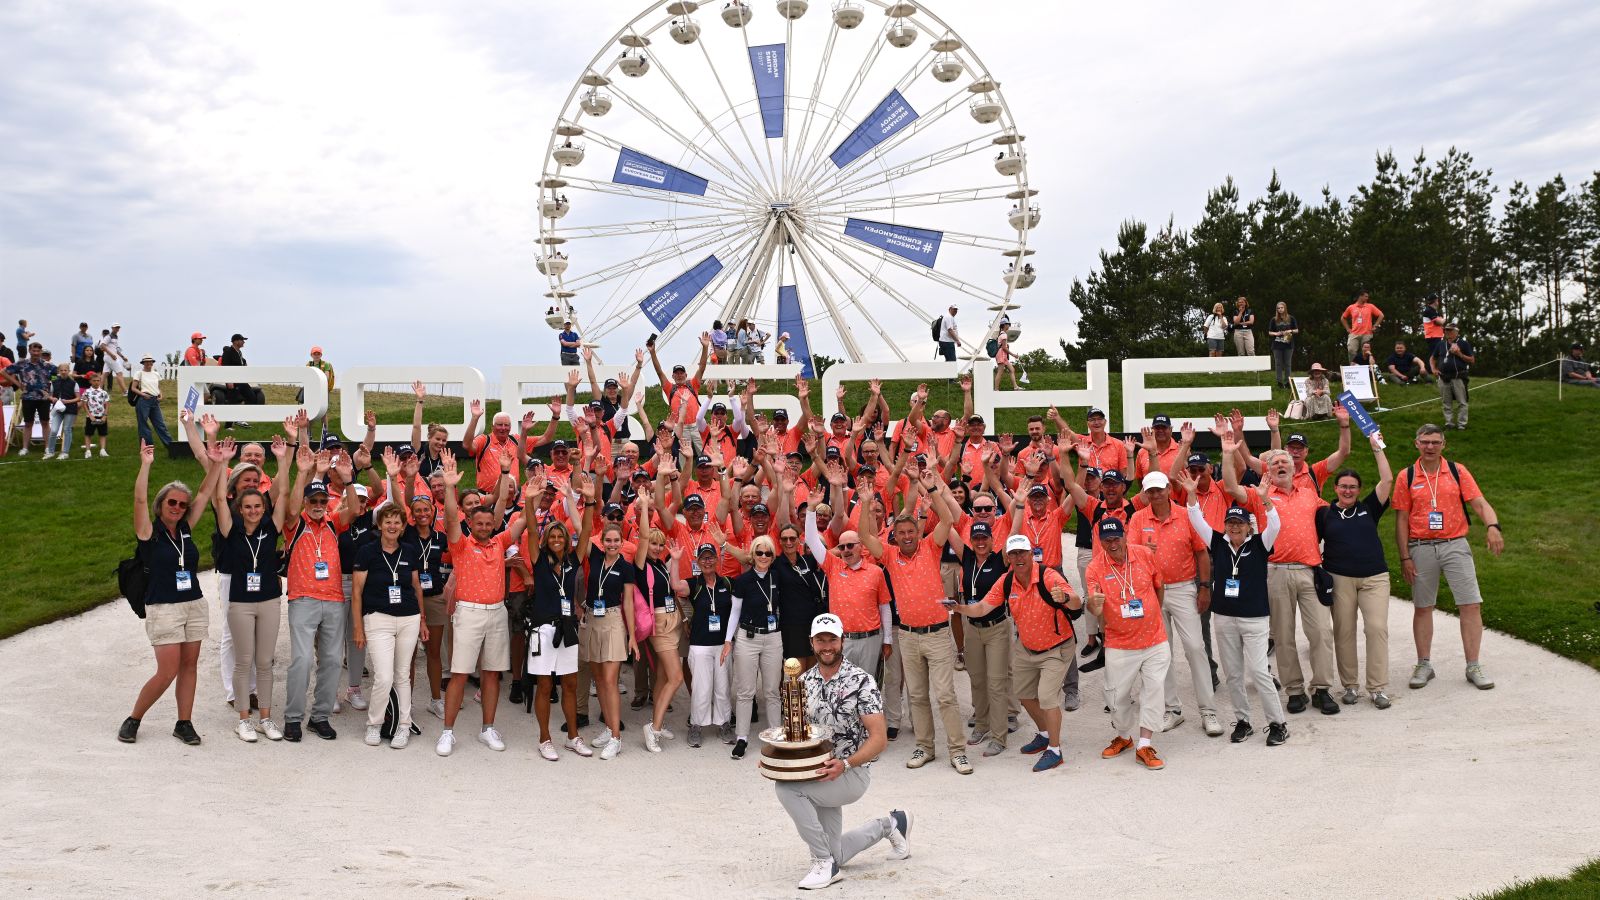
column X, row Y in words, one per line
column 31, row 410
column 1282, row 362
column 947, row 349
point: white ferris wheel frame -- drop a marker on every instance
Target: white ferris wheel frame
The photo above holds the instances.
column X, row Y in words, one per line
column 751, row 234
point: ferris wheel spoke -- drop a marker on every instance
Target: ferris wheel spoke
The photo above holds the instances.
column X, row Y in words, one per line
column 814, row 158
column 751, row 182
column 872, row 278
column 923, row 122
column 652, row 226
column 754, row 269
column 684, row 318
column 838, row 186
column 693, row 148
column 719, row 238
column 853, row 297
column 771, row 189
column 840, row 326
column 658, row 195
column 943, row 278
column 790, row 165
column 735, row 192
column 918, row 66
column 924, row 198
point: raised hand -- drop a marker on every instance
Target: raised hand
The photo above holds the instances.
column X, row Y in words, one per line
column 1147, row 436
column 324, row 461
column 301, row 421
column 1188, row 482
column 705, row 339
column 304, row 458
column 1221, row 428
column 220, row 452
column 1273, row 418
column 280, row 450
column 1186, row 433
column 966, row 384
column 507, row 460
column 371, row 419
column 838, row 394
column 802, row 387
column 411, row 467
column 588, row 354
column 448, row 470
column 1236, row 419
column 1130, row 445
column 419, row 389
column 1007, row 443
column 1085, row 455
column 527, row 420
column 147, row 454
column 362, row 457
column 289, row 426
column 391, row 462
column 343, row 467
column 555, row 409
column 210, row 425
column 875, row 386
column 572, row 378
column 750, row 388
column 1341, row 413
column 835, row 470
column 185, row 415
column 476, row 408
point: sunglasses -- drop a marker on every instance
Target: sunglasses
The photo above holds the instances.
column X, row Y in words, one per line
column 314, row 501
column 978, row 510
column 850, row 546
column 614, row 517
column 788, row 539
column 763, row 553
column 177, row 504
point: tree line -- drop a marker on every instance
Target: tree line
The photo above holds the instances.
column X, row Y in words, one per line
column 1519, row 275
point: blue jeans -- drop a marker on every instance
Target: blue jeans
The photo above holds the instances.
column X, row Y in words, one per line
column 148, row 411
column 60, row 431
column 947, row 349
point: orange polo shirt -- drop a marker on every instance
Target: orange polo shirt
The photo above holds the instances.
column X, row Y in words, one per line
column 1439, row 492
column 1040, row 626
column 480, row 568
column 1310, row 477
column 854, row 595
column 687, row 396
column 712, row 495
column 972, row 453
column 1214, row 503
column 319, row 541
column 1121, row 582
column 488, row 460
column 918, row 586
column 1112, row 454
column 1164, row 460
column 687, row 542
column 1173, row 540
column 1361, row 317
column 1045, row 533
column 1297, row 534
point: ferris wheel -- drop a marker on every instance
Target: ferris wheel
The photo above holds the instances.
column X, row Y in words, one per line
column 840, row 178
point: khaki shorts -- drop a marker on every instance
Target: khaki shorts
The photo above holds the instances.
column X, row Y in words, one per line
column 177, row 623
column 950, row 574
column 479, row 639
column 604, row 638
column 669, row 632
column 433, row 612
column 1038, row 676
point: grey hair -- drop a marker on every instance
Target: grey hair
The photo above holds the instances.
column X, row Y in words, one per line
column 1270, row 455
column 1429, row 428
column 168, row 488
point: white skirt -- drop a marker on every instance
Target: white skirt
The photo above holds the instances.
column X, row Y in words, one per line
column 551, row 660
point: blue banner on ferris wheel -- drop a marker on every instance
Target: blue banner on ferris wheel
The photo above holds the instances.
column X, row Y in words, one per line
column 893, row 114
column 792, row 321
column 919, row 245
column 766, row 64
column 635, row 168
column 664, row 304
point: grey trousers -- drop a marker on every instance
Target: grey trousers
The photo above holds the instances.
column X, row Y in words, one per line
column 355, row 658
column 1242, row 644
column 817, row 810
column 893, row 687
column 757, row 659
column 315, row 626
column 1453, row 395
column 865, row 652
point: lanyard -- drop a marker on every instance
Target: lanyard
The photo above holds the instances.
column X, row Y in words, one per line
column 766, row 593
column 1125, row 580
column 1433, row 485
column 427, row 549
column 605, row 572
column 394, row 570
column 1038, row 537
column 177, row 545
column 255, row 552
column 1236, row 554
column 979, row 566
column 316, row 539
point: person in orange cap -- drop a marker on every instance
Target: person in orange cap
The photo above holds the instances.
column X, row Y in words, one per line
column 195, row 355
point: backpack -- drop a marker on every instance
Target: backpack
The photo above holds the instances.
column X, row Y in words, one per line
column 1454, row 474
column 938, row 329
column 1044, row 594
column 133, row 580
column 391, row 718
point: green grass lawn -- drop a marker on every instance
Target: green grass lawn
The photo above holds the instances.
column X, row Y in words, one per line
column 1582, row 884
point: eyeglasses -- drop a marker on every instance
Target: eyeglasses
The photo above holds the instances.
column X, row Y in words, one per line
column 314, row 501
column 177, row 504
column 762, row 553
column 850, row 546
column 788, row 539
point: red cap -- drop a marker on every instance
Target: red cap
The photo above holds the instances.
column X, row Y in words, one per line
column 316, row 349
column 197, row 336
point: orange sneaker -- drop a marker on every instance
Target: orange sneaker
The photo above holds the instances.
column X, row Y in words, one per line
column 1148, row 758
column 1117, row 746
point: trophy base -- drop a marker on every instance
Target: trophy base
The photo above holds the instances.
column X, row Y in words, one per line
column 795, row 760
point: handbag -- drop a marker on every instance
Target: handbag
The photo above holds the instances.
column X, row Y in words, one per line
column 133, row 580
column 644, row 611
column 1323, row 583
column 1295, row 410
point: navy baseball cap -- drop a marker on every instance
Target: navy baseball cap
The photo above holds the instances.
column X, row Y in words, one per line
column 1038, row 490
column 1297, row 439
column 316, row 487
column 706, row 548
column 719, row 407
column 760, row 509
column 781, row 414
column 680, row 368
column 839, row 417
column 1199, row 459
column 694, row 500
column 1092, row 471
column 405, row 452
column 640, row 473
column 1236, row 514
column 1113, row 475
column 612, row 509
column 612, row 382
column 832, row 452
column 1110, row 528
column 980, row 529
column 1160, row 421
column 702, row 460
column 559, row 445
column 1095, row 411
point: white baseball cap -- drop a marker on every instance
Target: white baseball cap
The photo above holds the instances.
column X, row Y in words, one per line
column 1018, row 542
column 827, row 623
column 1154, row 480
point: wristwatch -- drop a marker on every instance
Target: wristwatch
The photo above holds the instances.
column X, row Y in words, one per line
column 846, row 764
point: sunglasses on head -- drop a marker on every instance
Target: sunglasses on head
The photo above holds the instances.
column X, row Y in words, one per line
column 763, row 553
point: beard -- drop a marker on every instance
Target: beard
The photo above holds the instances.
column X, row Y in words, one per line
column 829, row 658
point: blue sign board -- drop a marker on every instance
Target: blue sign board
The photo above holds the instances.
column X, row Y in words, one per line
column 637, row 169
column 1358, row 414
column 766, row 63
column 664, row 304
column 920, row 245
column 893, row 114
column 793, row 322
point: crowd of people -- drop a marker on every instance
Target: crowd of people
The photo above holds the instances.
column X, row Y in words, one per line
column 701, row 551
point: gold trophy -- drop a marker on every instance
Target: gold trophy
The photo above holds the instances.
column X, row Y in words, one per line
column 795, row 749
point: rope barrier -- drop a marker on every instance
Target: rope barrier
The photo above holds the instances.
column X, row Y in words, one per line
column 1390, row 409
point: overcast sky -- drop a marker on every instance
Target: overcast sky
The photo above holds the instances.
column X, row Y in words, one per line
column 362, row 175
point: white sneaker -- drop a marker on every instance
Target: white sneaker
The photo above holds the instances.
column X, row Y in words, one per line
column 270, row 729
column 1171, row 719
column 576, row 745
column 899, row 834
column 87, row 453
column 823, row 873
column 23, row 451
column 603, row 739
column 103, row 452
column 356, row 700
column 665, row 732
column 1212, row 725
column 548, row 751
column 337, row 706
column 374, row 735
column 447, row 742
column 491, row 739
column 436, row 707
column 612, row 748
column 247, row 732
column 402, row 737
column 63, row 455
column 652, row 739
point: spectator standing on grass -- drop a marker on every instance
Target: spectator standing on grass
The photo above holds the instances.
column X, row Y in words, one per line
column 1216, row 329
column 34, row 376
column 948, row 336
column 1403, row 366
column 115, row 362
column 1004, row 362
column 326, row 368
column 1282, row 328
column 570, row 342
column 1574, row 370
column 177, row 619
column 23, row 337
column 1244, row 324
column 81, row 339
column 94, row 402
column 1453, row 365
column 82, row 364
column 195, row 353
column 147, row 403
column 63, row 412
column 1433, row 330
column 1430, row 504
column 1360, row 319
